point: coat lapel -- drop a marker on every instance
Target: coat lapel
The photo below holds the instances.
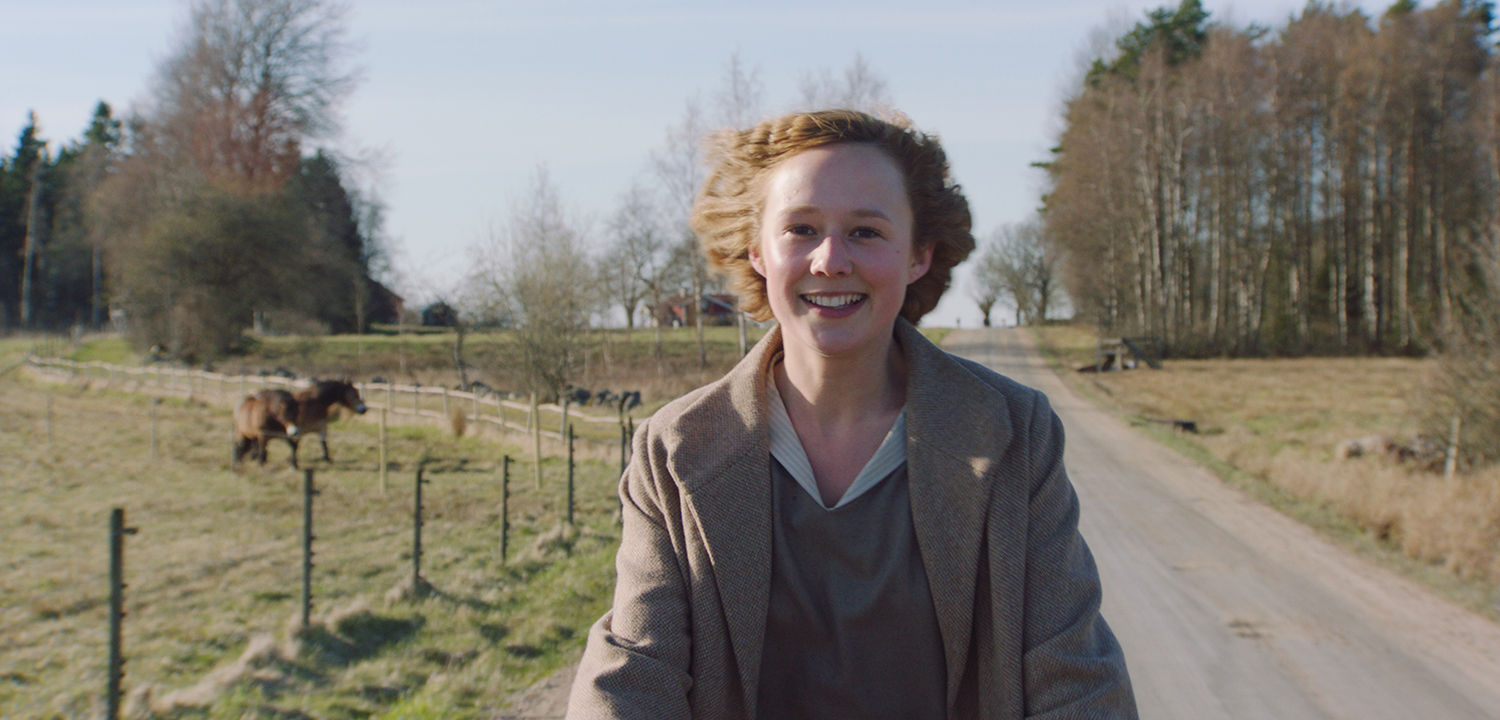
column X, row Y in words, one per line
column 727, row 479
column 957, row 426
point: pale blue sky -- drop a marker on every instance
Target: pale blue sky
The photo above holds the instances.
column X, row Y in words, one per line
column 464, row 99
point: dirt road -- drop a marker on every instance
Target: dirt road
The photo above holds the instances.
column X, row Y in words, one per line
column 1225, row 608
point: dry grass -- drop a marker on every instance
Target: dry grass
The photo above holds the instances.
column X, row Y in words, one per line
column 1279, row 421
column 217, row 564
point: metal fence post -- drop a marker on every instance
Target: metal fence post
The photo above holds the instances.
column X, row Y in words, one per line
column 384, row 439
column 155, row 443
column 117, row 533
column 416, row 542
column 570, row 473
column 536, row 440
column 624, row 445
column 504, row 508
column 307, row 539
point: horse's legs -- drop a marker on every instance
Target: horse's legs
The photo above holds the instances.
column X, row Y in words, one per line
column 260, row 449
column 240, row 445
column 323, row 438
column 293, row 442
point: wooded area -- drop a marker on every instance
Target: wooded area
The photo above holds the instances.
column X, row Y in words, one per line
column 206, row 211
column 1328, row 186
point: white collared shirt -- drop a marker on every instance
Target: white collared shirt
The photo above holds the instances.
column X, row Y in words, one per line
column 787, row 448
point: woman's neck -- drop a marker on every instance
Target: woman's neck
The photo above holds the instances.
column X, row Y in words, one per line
column 833, row 392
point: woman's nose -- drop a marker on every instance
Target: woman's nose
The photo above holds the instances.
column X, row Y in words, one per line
column 831, row 257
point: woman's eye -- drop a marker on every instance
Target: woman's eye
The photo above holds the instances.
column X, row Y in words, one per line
column 804, row 230
column 865, row 232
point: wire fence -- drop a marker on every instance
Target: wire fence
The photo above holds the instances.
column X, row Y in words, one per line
column 205, row 385
column 412, row 401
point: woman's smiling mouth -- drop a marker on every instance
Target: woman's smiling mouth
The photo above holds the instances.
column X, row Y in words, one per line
column 834, row 302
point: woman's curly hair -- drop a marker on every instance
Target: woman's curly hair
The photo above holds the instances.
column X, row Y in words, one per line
column 728, row 211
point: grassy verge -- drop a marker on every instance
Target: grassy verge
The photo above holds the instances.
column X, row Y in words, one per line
column 1270, row 428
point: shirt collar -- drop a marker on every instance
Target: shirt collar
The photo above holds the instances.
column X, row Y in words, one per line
column 787, row 448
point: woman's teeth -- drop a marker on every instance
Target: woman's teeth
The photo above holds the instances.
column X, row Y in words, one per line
column 833, row 301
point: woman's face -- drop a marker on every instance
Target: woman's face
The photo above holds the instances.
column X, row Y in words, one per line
column 835, row 248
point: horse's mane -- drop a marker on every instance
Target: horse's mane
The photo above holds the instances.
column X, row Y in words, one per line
column 329, row 391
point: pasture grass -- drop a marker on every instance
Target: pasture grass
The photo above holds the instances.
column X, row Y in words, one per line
column 1271, row 427
column 113, row 349
column 616, row 359
column 217, row 563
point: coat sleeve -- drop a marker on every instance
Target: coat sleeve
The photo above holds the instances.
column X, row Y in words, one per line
column 1072, row 665
column 636, row 663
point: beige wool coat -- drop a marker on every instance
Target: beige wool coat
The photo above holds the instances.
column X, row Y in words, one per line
column 1015, row 587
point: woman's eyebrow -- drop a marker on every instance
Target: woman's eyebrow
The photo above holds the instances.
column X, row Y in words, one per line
column 858, row 212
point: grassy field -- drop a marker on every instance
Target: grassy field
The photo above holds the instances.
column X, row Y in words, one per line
column 1272, row 428
column 217, row 564
column 214, row 572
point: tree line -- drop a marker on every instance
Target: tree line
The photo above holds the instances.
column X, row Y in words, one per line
column 215, row 207
column 209, row 209
column 1328, row 186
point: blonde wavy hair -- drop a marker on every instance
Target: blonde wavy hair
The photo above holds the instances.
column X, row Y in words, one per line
column 727, row 213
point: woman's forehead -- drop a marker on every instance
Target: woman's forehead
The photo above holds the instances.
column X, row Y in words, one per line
column 858, row 177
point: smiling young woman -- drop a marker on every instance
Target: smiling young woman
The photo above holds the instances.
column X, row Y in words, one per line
column 851, row 523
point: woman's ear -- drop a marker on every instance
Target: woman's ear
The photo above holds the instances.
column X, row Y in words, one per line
column 921, row 262
column 756, row 262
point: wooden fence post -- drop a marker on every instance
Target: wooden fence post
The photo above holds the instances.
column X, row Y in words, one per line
column 416, row 400
column 390, row 396
column 307, row 539
column 1450, row 463
column 117, row 533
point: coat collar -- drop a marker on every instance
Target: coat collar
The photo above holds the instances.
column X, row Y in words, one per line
column 957, row 427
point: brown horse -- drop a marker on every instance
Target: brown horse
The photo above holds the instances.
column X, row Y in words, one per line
column 313, row 405
column 262, row 416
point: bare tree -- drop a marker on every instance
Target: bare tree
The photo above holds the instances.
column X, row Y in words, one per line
column 741, row 97
column 679, row 169
column 203, row 233
column 1018, row 262
column 988, row 281
column 640, row 264
column 860, row 87
column 537, row 268
column 250, row 81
